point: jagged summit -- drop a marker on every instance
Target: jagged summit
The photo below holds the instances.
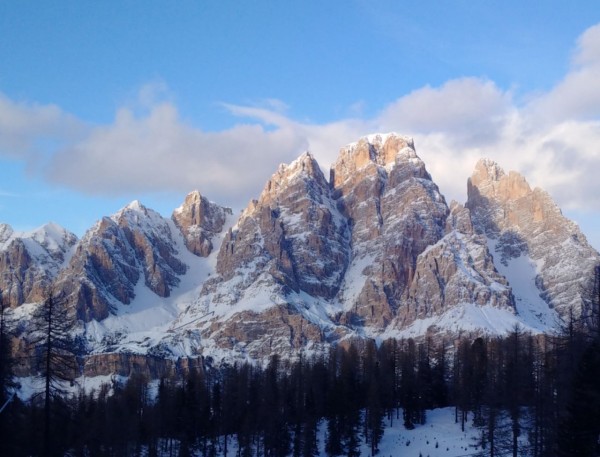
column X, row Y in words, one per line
column 134, row 212
column 490, row 181
column 489, row 169
column 525, row 227
column 304, row 168
column 383, row 150
column 31, row 260
column 135, row 205
column 199, row 221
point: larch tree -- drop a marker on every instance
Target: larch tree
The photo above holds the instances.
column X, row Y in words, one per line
column 55, row 349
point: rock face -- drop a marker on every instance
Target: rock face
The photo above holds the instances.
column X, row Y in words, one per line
column 458, row 269
column 293, row 231
column 523, row 223
column 199, row 221
column 280, row 329
column 395, row 212
column 134, row 244
column 292, row 240
column 30, row 261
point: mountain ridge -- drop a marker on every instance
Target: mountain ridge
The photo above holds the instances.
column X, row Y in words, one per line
column 373, row 252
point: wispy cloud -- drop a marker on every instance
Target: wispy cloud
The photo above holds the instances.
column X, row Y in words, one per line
column 25, row 126
column 155, row 150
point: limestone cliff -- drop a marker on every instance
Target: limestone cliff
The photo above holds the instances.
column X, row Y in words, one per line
column 199, row 221
column 521, row 222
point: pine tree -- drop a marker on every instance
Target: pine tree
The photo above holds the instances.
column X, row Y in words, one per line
column 490, row 413
column 478, row 376
column 408, row 386
column 387, row 358
column 462, row 381
column 374, row 416
column 439, row 373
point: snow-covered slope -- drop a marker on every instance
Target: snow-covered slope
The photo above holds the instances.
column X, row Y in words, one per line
column 134, row 245
column 144, row 323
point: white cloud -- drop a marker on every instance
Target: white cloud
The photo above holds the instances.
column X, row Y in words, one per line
column 25, row 126
column 455, row 108
column 553, row 138
column 588, row 47
column 156, row 151
column 577, row 96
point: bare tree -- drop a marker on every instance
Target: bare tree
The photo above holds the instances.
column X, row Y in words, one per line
column 55, row 353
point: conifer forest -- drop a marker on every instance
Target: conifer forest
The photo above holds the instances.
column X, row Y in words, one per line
column 528, row 395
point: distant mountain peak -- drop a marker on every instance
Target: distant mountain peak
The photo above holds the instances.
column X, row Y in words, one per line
column 373, row 152
column 135, row 205
column 524, row 223
column 199, row 221
column 304, row 167
column 490, row 181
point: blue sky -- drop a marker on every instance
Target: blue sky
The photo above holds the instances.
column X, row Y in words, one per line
column 105, row 102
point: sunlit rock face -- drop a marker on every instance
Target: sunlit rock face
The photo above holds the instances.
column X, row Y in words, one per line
column 521, row 221
column 293, row 234
column 199, row 221
column 292, row 240
column 394, row 211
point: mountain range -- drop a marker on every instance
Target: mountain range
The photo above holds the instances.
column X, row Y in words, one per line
column 373, row 251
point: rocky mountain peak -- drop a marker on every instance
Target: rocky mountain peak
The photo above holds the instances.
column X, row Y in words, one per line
column 5, row 232
column 135, row 205
column 487, row 169
column 134, row 213
column 490, row 181
column 31, row 260
column 304, row 168
column 526, row 226
column 288, row 229
column 55, row 239
column 394, row 211
column 382, row 150
column 199, row 221
column 134, row 243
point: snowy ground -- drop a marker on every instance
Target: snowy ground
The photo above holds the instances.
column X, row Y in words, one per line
column 439, row 437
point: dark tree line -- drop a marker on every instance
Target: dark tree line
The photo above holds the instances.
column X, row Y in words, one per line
column 46, row 347
column 529, row 395
column 516, row 389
